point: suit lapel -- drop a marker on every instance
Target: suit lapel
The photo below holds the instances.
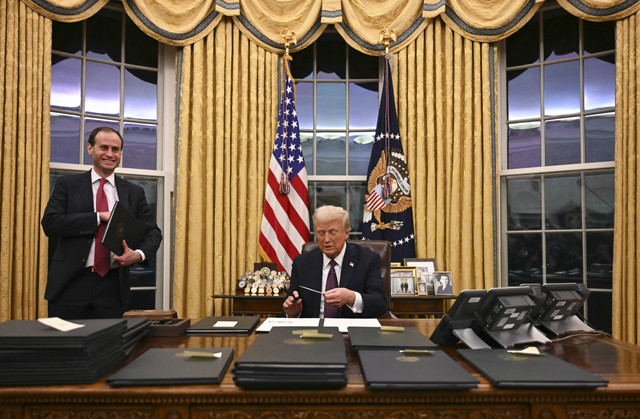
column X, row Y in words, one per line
column 85, row 191
column 348, row 265
column 123, row 193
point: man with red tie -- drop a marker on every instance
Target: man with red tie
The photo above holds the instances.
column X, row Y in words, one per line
column 337, row 279
column 85, row 279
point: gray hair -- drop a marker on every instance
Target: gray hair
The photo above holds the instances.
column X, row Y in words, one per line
column 328, row 213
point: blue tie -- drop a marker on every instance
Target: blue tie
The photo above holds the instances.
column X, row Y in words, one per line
column 332, row 282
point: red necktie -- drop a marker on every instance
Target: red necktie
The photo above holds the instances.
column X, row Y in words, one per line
column 102, row 255
column 332, row 282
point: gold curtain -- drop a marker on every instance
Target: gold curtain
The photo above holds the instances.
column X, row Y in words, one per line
column 25, row 79
column 446, row 109
column 227, row 116
column 183, row 22
column 626, row 240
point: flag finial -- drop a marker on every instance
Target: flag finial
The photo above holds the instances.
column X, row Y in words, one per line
column 386, row 36
column 288, row 37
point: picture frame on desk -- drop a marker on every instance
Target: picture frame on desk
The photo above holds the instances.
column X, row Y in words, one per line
column 403, row 281
column 443, row 283
column 425, row 268
column 422, row 288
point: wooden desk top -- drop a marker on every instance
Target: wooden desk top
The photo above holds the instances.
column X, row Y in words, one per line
column 616, row 361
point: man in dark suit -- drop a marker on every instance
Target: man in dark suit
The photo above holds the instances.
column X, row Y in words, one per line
column 86, row 280
column 359, row 289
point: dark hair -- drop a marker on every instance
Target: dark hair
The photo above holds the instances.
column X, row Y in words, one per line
column 92, row 136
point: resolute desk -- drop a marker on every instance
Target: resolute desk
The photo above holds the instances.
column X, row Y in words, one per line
column 616, row 361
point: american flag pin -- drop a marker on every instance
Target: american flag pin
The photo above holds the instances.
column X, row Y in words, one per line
column 351, row 264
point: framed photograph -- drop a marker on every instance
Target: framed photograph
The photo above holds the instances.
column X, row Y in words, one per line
column 442, row 283
column 422, row 288
column 403, row 281
column 425, row 269
column 393, row 264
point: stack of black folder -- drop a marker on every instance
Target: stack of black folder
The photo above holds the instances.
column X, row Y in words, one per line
column 404, row 359
column 32, row 353
column 293, row 358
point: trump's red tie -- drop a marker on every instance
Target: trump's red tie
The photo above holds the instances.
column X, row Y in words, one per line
column 332, row 282
column 102, row 255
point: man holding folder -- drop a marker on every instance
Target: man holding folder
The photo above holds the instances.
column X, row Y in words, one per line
column 85, row 279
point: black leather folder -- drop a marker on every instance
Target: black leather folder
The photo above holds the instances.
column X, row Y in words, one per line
column 122, row 225
column 224, row 324
column 284, row 359
column 283, row 347
column 164, row 366
column 391, row 369
column 509, row 370
column 378, row 338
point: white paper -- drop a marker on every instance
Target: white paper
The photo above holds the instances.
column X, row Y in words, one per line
column 225, row 323
column 270, row 322
column 343, row 324
column 59, row 324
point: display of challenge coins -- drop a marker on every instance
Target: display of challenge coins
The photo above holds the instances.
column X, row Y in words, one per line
column 263, row 282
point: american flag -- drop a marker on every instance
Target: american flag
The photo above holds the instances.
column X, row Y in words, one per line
column 285, row 221
column 388, row 213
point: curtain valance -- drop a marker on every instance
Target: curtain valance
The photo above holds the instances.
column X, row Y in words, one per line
column 182, row 22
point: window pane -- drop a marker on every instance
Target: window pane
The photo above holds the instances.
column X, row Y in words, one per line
column 141, row 299
column 331, row 50
column 600, row 199
column 523, row 204
column 356, row 205
column 599, row 311
column 560, row 35
column 331, row 194
column 306, row 141
column 304, row 105
column 140, row 48
column 363, row 66
column 599, row 84
column 140, row 148
column 599, row 259
column 104, row 35
column 564, row 257
column 102, row 92
column 600, row 132
column 525, row 259
column 360, row 146
column 598, row 36
column 524, row 145
column 331, row 105
column 68, row 37
column 363, row 105
column 140, row 94
column 519, row 51
column 523, row 99
column 65, row 138
column 562, row 141
column 330, row 154
column 89, row 125
column 302, row 64
column 563, row 202
column 562, row 88
column 66, row 78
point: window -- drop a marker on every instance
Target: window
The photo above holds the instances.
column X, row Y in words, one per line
column 337, row 106
column 106, row 72
column 557, row 181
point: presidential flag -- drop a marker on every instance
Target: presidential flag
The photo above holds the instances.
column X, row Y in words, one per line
column 285, row 221
column 388, row 213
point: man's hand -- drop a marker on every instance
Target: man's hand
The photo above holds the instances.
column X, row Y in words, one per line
column 129, row 257
column 104, row 216
column 338, row 297
column 292, row 305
